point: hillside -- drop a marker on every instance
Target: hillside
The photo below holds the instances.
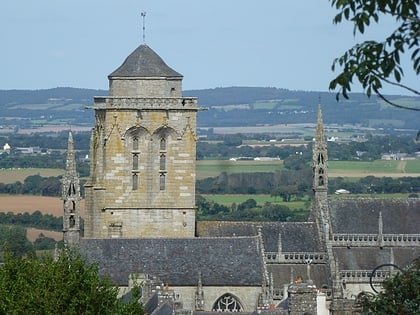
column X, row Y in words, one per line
column 225, row 107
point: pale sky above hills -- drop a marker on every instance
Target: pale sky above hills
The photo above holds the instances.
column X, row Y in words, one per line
column 219, row 43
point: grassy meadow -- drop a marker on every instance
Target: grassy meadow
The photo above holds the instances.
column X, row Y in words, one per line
column 212, row 168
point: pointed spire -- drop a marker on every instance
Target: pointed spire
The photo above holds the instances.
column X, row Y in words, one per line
column 320, row 126
column 320, row 156
column 71, row 198
column 71, row 159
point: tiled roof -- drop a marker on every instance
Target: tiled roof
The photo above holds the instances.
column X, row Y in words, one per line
column 283, row 273
column 144, row 62
column 178, row 262
column 367, row 258
column 295, row 236
column 361, row 215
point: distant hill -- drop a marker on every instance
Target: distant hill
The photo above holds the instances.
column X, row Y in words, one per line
column 231, row 106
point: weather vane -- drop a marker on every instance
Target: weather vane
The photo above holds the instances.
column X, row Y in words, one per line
column 143, row 15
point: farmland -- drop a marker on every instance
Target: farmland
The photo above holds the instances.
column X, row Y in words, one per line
column 30, row 204
column 351, row 169
column 212, row 168
column 9, row 176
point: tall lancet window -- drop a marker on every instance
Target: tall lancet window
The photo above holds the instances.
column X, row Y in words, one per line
column 162, row 181
column 135, row 166
column 162, row 164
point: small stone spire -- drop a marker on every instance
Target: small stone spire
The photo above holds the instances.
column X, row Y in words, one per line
column 320, row 156
column 71, row 197
column 380, row 230
column 199, row 295
column 380, row 224
column 279, row 245
column 319, row 126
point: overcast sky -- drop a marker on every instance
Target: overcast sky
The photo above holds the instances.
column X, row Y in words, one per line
column 213, row 43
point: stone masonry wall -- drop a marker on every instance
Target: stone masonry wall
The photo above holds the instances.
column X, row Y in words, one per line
column 145, row 87
column 163, row 197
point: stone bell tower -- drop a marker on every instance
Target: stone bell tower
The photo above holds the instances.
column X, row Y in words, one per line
column 143, row 147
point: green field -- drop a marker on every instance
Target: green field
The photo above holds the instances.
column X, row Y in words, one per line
column 413, row 167
column 356, row 169
column 228, row 199
column 375, row 168
column 10, row 176
column 212, row 168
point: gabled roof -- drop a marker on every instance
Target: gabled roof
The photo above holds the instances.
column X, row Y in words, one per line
column 144, row 62
column 368, row 258
column 178, row 262
column 361, row 215
column 295, row 236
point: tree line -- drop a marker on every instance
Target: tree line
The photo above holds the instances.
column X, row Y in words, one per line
column 248, row 210
column 36, row 220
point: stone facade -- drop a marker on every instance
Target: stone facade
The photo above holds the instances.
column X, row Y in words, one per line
column 142, row 181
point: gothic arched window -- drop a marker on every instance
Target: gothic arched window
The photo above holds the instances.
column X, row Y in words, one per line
column 227, row 303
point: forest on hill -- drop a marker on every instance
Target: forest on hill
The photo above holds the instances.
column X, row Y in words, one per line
column 230, row 106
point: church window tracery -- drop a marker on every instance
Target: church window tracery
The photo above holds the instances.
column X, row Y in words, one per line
column 227, row 303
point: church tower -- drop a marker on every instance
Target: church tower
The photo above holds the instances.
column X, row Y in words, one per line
column 71, row 198
column 143, row 147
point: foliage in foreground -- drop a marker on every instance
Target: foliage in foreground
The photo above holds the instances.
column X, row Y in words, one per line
column 375, row 63
column 68, row 285
column 400, row 295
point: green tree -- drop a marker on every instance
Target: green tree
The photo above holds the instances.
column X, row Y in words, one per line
column 375, row 63
column 400, row 294
column 68, row 285
column 14, row 237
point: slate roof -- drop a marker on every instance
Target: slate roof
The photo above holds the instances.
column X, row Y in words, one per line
column 295, row 236
column 282, row 274
column 144, row 62
column 361, row 215
column 367, row 258
column 178, row 262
